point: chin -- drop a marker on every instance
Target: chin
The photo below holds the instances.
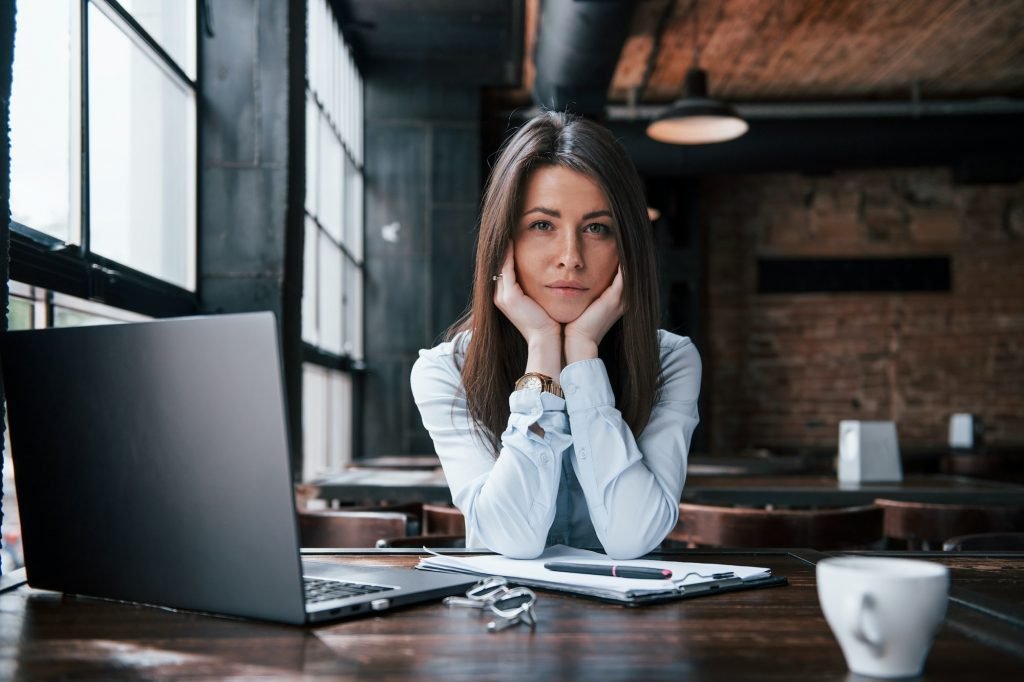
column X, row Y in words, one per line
column 562, row 316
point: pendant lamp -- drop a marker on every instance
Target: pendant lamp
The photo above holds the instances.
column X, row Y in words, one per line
column 696, row 118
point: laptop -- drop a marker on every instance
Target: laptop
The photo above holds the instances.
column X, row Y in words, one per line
column 152, row 465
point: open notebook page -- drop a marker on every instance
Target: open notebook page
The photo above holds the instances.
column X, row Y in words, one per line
column 533, row 572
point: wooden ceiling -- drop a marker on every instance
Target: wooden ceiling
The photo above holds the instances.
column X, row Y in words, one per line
column 757, row 50
column 815, row 50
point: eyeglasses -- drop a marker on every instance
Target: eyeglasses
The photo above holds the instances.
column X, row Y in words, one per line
column 511, row 605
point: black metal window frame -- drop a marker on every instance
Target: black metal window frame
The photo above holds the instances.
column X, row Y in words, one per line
column 38, row 259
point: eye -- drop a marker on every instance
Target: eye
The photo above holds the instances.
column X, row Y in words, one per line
column 597, row 228
column 541, row 225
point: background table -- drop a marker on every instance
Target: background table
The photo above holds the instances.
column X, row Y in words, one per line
column 824, row 490
column 768, row 634
column 713, row 486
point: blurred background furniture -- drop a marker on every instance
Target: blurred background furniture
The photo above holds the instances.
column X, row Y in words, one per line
column 443, row 526
column 985, row 542
column 925, row 525
column 824, row 490
column 331, row 528
column 703, row 525
column 443, row 520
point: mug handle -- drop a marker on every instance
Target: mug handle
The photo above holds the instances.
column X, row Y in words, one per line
column 865, row 626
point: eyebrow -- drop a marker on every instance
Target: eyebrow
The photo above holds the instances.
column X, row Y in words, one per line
column 557, row 214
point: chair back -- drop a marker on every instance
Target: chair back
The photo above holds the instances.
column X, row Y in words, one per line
column 330, row 528
column 825, row 529
column 924, row 525
column 442, row 520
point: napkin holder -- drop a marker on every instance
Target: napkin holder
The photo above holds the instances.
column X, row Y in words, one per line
column 869, row 452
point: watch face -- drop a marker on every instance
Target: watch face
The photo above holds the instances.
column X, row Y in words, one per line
column 533, row 383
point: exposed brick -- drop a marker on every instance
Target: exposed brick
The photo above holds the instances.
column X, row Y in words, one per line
column 784, row 369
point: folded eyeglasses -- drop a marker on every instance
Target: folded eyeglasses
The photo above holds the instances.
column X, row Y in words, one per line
column 511, row 605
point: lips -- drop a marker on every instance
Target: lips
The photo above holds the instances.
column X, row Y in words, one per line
column 566, row 284
column 566, row 288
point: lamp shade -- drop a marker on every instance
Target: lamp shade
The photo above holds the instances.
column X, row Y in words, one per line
column 696, row 118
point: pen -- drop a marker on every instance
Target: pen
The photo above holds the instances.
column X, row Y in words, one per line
column 641, row 572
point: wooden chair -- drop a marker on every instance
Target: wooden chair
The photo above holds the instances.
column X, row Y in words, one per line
column 330, row 528
column 837, row 528
column 442, row 527
column 925, row 525
column 985, row 542
column 413, row 513
column 442, row 520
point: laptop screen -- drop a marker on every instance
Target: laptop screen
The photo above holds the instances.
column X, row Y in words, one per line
column 151, row 463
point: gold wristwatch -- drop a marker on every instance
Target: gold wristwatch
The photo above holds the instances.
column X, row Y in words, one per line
column 540, row 382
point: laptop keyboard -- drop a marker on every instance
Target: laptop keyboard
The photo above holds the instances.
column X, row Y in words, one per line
column 318, row 590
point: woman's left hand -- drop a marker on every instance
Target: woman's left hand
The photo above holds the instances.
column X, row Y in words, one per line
column 583, row 334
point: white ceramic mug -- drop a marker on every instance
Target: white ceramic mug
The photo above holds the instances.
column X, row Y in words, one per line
column 884, row 612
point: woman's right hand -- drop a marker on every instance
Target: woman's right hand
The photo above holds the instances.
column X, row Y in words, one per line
column 529, row 318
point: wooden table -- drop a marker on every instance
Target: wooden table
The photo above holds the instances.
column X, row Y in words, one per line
column 409, row 480
column 769, row 634
column 706, row 484
column 819, row 490
column 391, row 485
column 416, row 462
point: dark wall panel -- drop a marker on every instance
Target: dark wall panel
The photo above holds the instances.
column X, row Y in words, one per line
column 453, row 151
column 396, row 188
column 451, row 266
column 396, row 296
column 422, row 172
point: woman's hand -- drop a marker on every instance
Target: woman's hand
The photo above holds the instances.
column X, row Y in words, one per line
column 584, row 334
column 526, row 314
column 543, row 335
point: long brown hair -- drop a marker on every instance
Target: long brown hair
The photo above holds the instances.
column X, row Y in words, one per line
column 496, row 355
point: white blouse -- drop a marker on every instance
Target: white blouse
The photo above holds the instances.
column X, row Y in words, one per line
column 587, row 482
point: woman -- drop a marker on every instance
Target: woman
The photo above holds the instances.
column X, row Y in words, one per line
column 560, row 412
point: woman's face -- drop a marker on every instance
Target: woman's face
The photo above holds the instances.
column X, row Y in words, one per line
column 564, row 245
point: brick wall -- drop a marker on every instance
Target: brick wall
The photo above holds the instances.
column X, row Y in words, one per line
column 783, row 369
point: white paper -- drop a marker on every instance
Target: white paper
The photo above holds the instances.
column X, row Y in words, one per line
column 533, row 572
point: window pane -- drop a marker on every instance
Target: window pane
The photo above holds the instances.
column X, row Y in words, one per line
column 19, row 314
column 326, row 421
column 314, row 403
column 172, row 25
column 339, row 394
column 310, row 277
column 330, row 180
column 312, row 145
column 71, row 311
column 350, row 323
column 141, row 158
column 330, row 295
column 353, row 209
column 44, row 119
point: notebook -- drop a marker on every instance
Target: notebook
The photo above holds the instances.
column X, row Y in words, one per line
column 152, row 465
column 689, row 579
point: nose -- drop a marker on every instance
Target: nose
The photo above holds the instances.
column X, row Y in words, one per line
column 571, row 255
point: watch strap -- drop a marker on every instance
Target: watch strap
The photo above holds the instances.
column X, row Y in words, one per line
column 540, row 381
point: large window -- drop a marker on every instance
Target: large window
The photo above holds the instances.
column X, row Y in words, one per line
column 103, row 171
column 333, row 260
column 103, row 150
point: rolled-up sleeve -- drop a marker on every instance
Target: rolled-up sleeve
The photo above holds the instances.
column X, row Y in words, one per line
column 633, row 486
column 509, row 502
